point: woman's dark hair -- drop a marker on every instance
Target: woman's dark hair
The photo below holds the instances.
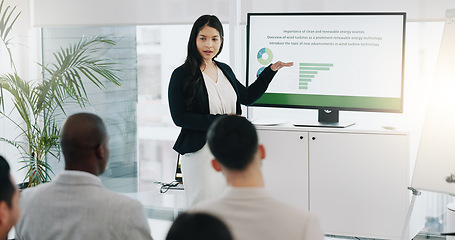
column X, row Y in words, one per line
column 193, row 83
column 198, row 226
column 6, row 185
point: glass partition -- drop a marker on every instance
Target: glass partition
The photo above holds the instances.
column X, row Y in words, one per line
column 115, row 105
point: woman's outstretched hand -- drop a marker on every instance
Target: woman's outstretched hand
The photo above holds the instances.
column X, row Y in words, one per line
column 278, row 65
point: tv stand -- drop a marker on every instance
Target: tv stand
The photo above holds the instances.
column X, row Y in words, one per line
column 324, row 124
column 326, row 118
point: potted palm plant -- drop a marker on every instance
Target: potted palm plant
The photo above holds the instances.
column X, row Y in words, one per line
column 37, row 103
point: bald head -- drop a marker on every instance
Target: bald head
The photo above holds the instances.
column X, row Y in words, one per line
column 83, row 140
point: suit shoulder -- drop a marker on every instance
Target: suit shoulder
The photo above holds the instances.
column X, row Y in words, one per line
column 223, row 66
column 226, row 69
column 122, row 200
column 32, row 191
column 290, row 210
column 179, row 70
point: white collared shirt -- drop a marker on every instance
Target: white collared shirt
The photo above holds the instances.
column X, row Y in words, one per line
column 222, row 96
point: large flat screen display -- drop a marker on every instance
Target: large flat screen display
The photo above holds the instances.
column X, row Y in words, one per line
column 342, row 61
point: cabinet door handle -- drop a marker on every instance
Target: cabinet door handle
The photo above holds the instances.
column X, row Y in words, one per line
column 301, row 137
column 314, row 138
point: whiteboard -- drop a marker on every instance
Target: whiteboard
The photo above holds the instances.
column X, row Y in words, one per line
column 436, row 154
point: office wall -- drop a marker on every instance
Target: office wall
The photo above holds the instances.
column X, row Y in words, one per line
column 139, row 12
column 120, row 12
column 422, row 10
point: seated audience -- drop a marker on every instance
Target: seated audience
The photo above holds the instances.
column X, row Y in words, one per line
column 75, row 205
column 9, row 200
column 198, row 226
column 246, row 207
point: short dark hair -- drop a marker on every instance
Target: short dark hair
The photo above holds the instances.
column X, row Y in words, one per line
column 81, row 133
column 198, row 226
column 6, row 185
column 233, row 141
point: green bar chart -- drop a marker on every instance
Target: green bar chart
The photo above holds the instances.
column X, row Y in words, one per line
column 309, row 71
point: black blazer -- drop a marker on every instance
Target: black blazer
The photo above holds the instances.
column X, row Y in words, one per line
column 195, row 124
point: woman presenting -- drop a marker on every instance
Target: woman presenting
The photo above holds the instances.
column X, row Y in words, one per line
column 201, row 90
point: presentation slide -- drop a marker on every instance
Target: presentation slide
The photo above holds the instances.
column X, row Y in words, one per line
column 336, row 55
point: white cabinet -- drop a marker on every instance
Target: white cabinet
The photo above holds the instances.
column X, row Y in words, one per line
column 285, row 167
column 358, row 183
column 354, row 181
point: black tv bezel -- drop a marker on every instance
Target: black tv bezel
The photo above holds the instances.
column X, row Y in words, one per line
column 329, row 14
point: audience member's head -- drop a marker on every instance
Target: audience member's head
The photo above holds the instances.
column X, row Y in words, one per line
column 198, row 226
column 233, row 141
column 84, row 142
column 9, row 200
